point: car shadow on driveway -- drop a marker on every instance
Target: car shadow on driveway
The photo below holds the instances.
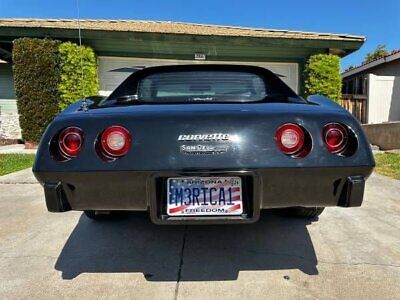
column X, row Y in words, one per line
column 212, row 252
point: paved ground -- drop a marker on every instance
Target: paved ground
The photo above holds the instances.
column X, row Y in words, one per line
column 347, row 254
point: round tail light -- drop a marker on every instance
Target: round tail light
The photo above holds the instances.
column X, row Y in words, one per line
column 116, row 141
column 70, row 141
column 335, row 137
column 290, row 138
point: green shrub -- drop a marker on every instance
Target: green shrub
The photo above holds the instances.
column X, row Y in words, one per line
column 48, row 78
column 322, row 76
column 70, row 85
column 36, row 78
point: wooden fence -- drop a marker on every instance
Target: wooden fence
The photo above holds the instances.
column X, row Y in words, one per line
column 356, row 105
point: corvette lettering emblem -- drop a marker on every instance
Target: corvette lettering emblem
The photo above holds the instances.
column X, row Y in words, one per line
column 204, row 137
column 205, row 148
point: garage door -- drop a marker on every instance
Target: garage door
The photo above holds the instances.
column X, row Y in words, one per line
column 109, row 78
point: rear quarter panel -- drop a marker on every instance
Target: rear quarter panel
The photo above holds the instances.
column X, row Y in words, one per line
column 155, row 129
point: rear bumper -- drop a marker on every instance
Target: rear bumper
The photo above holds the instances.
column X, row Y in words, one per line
column 142, row 190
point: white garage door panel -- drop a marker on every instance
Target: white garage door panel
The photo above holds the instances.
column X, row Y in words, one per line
column 110, row 80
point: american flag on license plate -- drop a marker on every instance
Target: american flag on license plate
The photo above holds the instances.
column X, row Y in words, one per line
column 204, row 196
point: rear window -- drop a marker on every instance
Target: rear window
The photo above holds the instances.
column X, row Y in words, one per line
column 202, row 86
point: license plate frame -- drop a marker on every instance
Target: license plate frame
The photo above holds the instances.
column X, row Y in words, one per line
column 223, row 196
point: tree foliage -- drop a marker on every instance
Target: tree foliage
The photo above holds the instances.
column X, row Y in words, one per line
column 379, row 52
column 322, row 76
column 48, row 78
column 351, row 67
column 70, row 85
column 36, row 72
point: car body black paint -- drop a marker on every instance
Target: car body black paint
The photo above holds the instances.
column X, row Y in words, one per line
column 273, row 178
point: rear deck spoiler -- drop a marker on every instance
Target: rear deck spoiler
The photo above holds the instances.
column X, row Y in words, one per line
column 324, row 101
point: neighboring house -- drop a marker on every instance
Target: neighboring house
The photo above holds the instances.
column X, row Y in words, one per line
column 372, row 91
column 130, row 43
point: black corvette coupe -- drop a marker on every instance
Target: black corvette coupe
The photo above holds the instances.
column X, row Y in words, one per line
column 201, row 144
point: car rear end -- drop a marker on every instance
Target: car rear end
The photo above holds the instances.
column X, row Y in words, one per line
column 203, row 161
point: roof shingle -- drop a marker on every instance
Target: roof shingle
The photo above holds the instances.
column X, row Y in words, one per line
column 174, row 28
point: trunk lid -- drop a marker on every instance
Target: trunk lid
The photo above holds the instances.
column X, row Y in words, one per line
column 235, row 136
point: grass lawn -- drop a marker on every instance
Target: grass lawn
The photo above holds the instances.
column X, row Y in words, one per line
column 388, row 164
column 14, row 162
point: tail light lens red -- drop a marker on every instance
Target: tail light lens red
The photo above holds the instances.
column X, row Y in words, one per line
column 70, row 141
column 335, row 137
column 290, row 138
column 115, row 141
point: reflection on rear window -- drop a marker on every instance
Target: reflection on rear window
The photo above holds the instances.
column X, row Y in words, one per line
column 202, row 86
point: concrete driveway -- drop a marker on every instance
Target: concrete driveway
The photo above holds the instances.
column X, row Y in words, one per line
column 347, row 254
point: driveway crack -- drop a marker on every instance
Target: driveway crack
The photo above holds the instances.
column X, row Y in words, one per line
column 180, row 263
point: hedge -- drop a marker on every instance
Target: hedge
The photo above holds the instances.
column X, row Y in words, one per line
column 36, row 71
column 322, row 76
column 70, row 85
column 48, row 78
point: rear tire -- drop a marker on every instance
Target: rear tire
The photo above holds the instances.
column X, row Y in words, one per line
column 104, row 215
column 305, row 212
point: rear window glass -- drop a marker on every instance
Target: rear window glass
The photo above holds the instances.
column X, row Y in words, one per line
column 202, row 86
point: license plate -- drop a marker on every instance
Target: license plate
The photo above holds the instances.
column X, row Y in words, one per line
column 204, row 196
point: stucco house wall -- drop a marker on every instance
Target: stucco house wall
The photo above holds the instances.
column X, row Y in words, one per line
column 391, row 68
